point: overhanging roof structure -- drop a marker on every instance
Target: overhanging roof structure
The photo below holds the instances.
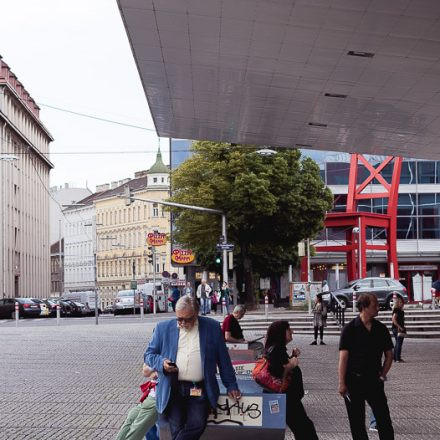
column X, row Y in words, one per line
column 341, row 75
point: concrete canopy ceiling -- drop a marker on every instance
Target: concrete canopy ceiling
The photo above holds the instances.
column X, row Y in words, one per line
column 340, row 75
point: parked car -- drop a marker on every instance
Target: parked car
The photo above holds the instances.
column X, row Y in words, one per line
column 124, row 302
column 65, row 308
column 383, row 288
column 75, row 308
column 26, row 308
column 44, row 307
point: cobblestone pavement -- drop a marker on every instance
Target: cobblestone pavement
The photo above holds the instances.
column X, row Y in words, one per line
column 78, row 382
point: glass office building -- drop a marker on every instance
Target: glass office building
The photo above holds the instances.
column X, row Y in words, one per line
column 418, row 220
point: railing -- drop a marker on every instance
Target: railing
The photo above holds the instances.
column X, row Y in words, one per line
column 338, row 310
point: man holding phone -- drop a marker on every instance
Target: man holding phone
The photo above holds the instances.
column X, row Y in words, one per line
column 364, row 341
column 186, row 352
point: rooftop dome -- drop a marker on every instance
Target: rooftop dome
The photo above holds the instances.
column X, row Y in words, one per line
column 159, row 167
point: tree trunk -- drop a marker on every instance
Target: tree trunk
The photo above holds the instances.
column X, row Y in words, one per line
column 248, row 276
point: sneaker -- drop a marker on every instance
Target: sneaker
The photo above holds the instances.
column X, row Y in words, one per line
column 373, row 428
column 314, row 343
column 323, row 343
column 400, row 360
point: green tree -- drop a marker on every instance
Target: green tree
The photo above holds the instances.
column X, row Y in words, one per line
column 271, row 203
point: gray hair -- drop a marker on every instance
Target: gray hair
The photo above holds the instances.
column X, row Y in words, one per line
column 240, row 309
column 187, row 302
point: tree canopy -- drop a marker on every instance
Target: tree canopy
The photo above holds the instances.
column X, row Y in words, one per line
column 271, row 203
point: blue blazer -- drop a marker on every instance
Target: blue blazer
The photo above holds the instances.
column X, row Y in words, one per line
column 213, row 352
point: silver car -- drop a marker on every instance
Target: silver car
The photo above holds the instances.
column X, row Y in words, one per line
column 382, row 288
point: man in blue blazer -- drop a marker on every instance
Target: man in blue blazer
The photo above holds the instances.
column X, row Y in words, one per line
column 186, row 352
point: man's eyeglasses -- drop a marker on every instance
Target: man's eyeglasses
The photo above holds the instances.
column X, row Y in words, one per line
column 185, row 320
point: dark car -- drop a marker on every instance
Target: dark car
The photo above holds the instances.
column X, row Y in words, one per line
column 26, row 308
column 383, row 288
column 74, row 308
column 65, row 308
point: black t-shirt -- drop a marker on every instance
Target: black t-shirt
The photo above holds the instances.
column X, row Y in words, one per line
column 278, row 357
column 365, row 348
column 400, row 317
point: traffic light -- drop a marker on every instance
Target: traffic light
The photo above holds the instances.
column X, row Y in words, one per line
column 150, row 254
column 218, row 259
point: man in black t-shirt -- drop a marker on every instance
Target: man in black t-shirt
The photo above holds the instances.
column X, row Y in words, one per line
column 361, row 373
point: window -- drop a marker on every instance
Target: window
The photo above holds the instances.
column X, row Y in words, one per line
column 155, row 210
column 155, row 179
column 406, row 228
column 380, row 206
column 426, row 172
column 429, row 204
column 429, row 227
column 163, row 180
column 406, row 204
column 337, row 173
column 380, row 283
column 340, row 203
column 408, row 173
column 364, row 284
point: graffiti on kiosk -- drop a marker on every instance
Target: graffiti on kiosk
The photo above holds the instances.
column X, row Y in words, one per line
column 245, row 412
column 242, row 367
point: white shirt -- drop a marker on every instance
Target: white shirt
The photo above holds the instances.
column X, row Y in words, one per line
column 189, row 359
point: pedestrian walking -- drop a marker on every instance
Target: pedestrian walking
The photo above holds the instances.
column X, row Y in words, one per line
column 225, row 296
column 188, row 290
column 175, row 295
column 203, row 294
column 215, row 299
column 141, row 419
column 362, row 375
column 398, row 328
column 319, row 319
column 279, row 334
column 186, row 352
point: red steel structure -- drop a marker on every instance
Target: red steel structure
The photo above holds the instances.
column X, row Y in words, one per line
column 355, row 223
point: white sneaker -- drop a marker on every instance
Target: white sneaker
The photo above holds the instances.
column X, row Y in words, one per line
column 373, row 428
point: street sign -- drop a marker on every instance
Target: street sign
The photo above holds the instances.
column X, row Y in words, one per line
column 133, row 285
column 225, row 247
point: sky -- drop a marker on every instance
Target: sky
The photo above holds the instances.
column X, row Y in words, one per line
column 75, row 55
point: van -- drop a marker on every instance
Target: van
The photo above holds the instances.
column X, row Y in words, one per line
column 147, row 290
column 86, row 297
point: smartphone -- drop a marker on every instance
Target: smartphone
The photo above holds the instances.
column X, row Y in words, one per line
column 172, row 364
column 347, row 397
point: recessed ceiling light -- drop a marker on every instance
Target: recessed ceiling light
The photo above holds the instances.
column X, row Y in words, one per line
column 335, row 95
column 355, row 53
column 317, row 124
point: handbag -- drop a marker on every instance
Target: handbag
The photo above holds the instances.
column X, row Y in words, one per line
column 402, row 334
column 262, row 376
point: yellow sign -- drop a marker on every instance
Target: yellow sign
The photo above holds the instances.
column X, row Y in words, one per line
column 182, row 256
column 156, row 238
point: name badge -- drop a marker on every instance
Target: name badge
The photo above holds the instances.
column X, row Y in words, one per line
column 195, row 392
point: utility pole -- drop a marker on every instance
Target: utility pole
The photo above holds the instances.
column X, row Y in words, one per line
column 60, row 259
column 154, row 280
column 133, row 285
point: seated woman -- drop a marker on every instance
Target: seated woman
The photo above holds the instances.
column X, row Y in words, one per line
column 281, row 365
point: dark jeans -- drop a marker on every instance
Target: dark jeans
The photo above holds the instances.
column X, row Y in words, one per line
column 398, row 347
column 361, row 389
column 321, row 332
column 298, row 421
column 186, row 415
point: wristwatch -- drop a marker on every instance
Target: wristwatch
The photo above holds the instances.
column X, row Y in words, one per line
column 382, row 378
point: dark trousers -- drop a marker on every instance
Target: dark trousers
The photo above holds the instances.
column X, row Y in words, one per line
column 297, row 419
column 398, row 347
column 186, row 415
column 321, row 332
column 361, row 389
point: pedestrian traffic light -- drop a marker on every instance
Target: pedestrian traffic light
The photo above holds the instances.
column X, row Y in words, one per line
column 218, row 259
column 150, row 254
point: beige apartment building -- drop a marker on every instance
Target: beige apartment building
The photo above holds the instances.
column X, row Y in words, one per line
column 122, row 232
column 24, row 197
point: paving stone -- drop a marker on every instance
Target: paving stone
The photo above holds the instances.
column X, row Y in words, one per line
column 79, row 382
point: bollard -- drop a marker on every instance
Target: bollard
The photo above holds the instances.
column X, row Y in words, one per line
column 141, row 304
column 266, row 306
column 433, row 293
column 58, row 314
column 17, row 313
column 223, row 306
column 354, row 301
column 394, row 300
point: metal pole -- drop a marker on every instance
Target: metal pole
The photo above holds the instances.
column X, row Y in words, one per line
column 308, row 277
column 95, row 276
column 337, row 275
column 266, row 306
column 133, row 271
column 58, row 314
column 60, row 269
column 17, row 313
column 290, row 273
column 225, row 252
column 154, row 280
column 360, row 248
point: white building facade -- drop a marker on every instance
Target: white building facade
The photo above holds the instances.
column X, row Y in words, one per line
column 24, row 199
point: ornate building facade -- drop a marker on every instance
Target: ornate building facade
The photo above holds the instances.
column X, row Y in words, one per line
column 122, row 249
